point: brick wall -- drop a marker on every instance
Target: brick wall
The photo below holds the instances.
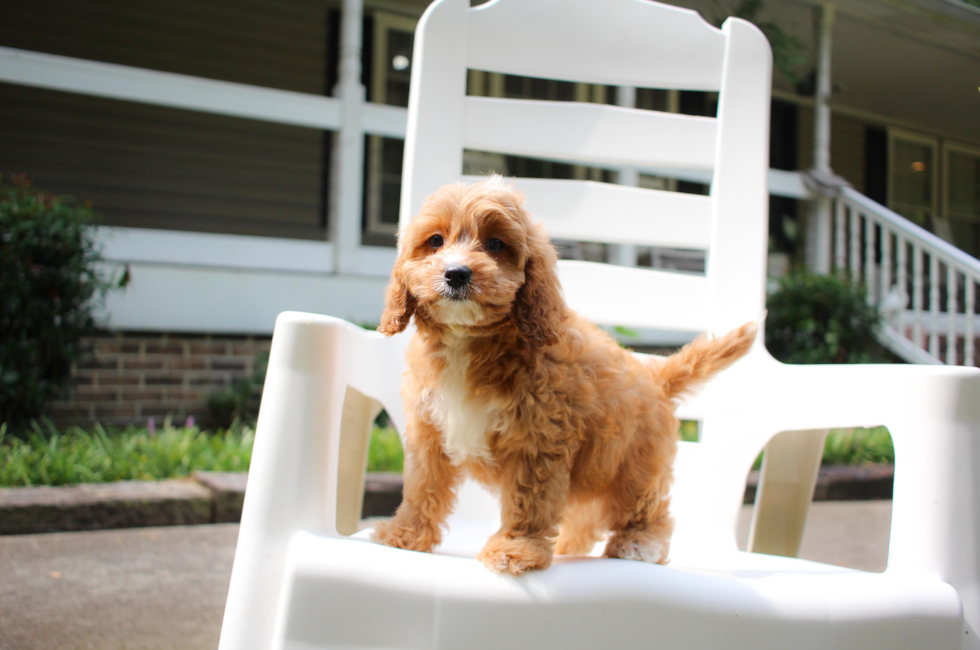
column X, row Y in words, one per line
column 128, row 378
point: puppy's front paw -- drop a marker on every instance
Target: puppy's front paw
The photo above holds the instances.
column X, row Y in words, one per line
column 395, row 533
column 515, row 555
column 638, row 545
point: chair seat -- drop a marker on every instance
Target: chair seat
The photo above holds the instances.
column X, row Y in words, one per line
column 352, row 592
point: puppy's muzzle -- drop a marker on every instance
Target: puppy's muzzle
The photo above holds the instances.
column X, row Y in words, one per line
column 458, row 277
column 456, row 280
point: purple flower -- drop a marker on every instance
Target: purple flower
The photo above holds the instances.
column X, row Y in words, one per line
column 152, row 426
column 190, row 422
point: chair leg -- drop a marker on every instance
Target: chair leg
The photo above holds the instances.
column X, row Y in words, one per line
column 290, row 480
column 355, row 436
column 782, row 500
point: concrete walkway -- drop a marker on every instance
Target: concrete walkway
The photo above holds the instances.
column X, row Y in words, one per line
column 165, row 588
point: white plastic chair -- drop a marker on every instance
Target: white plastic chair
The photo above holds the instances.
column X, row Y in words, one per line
column 300, row 582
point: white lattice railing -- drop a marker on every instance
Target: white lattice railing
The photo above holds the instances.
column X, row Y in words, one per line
column 925, row 287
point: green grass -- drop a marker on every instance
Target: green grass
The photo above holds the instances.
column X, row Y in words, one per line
column 385, row 451
column 47, row 456
column 858, row 447
column 50, row 457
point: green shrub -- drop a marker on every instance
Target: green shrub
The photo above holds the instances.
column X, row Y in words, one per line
column 788, row 50
column 49, row 288
column 822, row 319
column 242, row 399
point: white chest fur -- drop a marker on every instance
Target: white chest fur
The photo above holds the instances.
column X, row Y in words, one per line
column 464, row 420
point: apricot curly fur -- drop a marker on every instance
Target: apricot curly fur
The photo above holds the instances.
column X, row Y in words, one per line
column 506, row 384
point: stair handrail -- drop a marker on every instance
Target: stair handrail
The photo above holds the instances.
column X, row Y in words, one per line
column 860, row 253
column 912, row 230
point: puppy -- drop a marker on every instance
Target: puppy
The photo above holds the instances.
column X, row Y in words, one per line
column 508, row 385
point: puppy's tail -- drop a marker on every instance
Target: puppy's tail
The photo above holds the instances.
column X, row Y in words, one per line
column 699, row 360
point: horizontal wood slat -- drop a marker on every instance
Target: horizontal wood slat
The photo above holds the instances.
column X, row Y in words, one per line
column 635, row 297
column 601, row 212
column 578, row 40
column 589, row 133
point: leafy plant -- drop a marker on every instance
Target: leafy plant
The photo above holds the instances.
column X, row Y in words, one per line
column 822, row 319
column 241, row 401
column 50, row 287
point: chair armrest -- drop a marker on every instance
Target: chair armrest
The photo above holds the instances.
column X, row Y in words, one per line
column 294, row 478
column 933, row 415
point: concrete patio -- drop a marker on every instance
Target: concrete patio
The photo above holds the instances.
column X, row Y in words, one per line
column 165, row 588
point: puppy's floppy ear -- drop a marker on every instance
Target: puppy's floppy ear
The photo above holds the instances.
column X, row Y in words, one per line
column 539, row 307
column 399, row 303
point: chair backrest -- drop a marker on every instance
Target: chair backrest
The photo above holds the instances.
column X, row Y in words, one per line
column 617, row 42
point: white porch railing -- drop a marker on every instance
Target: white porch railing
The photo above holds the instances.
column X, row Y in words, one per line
column 925, row 287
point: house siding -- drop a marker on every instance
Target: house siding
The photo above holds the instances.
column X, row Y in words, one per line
column 273, row 43
column 156, row 167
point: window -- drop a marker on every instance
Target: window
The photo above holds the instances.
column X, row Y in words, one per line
column 937, row 186
column 912, row 182
column 391, row 72
column 961, row 196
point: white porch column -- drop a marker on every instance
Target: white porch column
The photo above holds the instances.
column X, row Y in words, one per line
column 625, row 254
column 347, row 175
column 819, row 222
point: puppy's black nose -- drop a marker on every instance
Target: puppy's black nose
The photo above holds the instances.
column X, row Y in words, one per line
column 458, row 276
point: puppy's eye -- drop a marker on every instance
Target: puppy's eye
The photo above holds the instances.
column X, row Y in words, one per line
column 495, row 245
column 435, row 241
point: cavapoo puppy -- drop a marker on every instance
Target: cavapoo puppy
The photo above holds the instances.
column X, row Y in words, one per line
column 508, row 385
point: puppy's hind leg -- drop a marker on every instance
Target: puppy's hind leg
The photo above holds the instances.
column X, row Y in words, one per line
column 649, row 542
column 581, row 528
column 638, row 507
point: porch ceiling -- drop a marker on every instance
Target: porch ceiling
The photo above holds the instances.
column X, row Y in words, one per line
column 916, row 62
